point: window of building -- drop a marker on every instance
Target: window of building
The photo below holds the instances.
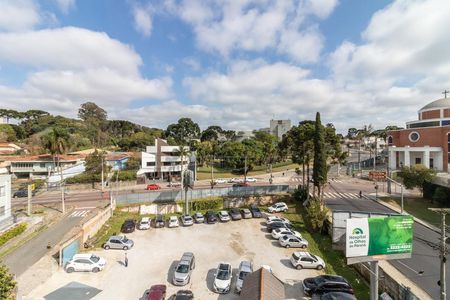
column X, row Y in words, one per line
column 414, row 136
column 150, row 163
column 2, row 190
column 448, row 146
column 423, row 124
column 418, row 160
column 445, row 122
column 2, row 210
column 390, row 140
column 42, row 165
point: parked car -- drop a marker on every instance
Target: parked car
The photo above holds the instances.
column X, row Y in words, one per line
column 86, row 262
column 273, row 219
column 187, row 220
column 128, row 226
column 256, row 212
column 241, row 184
column 157, row 292
column 279, row 232
column 222, row 278
column 224, row 216
column 251, row 179
column 306, row 260
column 211, row 217
column 235, row 180
column 21, row 193
column 198, row 217
column 182, row 274
column 235, row 214
column 291, row 241
column 326, row 283
column 245, row 268
column 173, row 222
column 159, row 222
column 337, row 296
column 144, row 223
column 118, row 242
column 275, row 225
column 246, row 213
column 184, row 295
column 220, row 181
column 152, row 187
column 278, row 207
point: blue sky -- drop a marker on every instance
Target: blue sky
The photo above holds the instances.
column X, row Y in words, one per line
column 235, row 63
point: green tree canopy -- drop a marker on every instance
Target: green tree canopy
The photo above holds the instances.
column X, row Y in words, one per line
column 211, row 133
column 7, row 283
column 416, row 176
column 320, row 169
column 183, row 132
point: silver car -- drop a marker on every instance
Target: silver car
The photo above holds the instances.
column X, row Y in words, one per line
column 293, row 241
column 187, row 220
column 245, row 268
column 182, row 274
column 118, row 242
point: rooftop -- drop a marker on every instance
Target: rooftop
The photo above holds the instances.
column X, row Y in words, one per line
column 440, row 103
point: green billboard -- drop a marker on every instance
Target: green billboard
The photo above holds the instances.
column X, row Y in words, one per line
column 379, row 236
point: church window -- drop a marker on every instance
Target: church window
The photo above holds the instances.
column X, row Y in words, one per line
column 414, row 136
column 390, row 140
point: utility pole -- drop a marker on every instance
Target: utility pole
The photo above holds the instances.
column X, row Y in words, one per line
column 102, row 173
column 212, row 172
column 29, row 200
column 61, row 185
column 245, row 168
column 443, row 250
column 375, row 155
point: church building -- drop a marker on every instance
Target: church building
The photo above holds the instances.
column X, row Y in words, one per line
column 425, row 141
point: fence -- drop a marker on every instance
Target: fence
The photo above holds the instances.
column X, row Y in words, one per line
column 170, row 196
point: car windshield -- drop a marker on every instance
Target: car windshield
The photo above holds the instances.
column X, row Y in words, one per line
column 255, row 208
column 223, row 275
column 187, row 218
column 242, row 275
column 182, row 269
column 144, row 222
column 314, row 257
column 124, row 239
column 95, row 258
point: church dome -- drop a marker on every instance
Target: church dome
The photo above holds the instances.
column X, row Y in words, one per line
column 441, row 103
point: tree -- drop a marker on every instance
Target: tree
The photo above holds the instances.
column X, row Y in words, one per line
column 416, row 176
column 317, row 214
column 320, row 158
column 93, row 162
column 7, row 133
column 94, row 118
column 7, row 283
column 56, row 142
column 211, row 133
column 183, row 132
column 352, row 133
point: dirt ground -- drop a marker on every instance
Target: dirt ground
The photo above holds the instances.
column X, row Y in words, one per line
column 157, row 252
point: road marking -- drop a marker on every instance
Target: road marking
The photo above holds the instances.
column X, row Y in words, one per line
column 78, row 213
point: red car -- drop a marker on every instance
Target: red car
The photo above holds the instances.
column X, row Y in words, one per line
column 152, row 187
column 157, row 292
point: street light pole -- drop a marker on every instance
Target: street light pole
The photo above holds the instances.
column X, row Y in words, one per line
column 443, row 250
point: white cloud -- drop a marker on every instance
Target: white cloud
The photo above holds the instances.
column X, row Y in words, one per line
column 68, row 48
column 65, row 5
column 142, row 19
column 193, row 63
column 18, row 15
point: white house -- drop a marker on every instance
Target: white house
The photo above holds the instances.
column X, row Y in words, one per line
column 162, row 161
column 5, row 198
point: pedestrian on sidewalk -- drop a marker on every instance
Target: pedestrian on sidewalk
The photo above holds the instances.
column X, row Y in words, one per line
column 360, row 194
column 126, row 260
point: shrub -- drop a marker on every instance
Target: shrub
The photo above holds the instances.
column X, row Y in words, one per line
column 7, row 283
column 84, row 178
column 126, row 175
column 441, row 195
column 13, row 232
column 317, row 214
column 211, row 203
column 300, row 194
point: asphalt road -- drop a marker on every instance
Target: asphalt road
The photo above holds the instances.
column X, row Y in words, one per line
column 425, row 256
column 32, row 251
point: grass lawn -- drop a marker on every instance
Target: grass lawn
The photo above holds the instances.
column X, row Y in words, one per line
column 205, row 172
column 321, row 245
column 418, row 207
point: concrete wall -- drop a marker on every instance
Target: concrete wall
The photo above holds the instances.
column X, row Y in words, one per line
column 5, row 198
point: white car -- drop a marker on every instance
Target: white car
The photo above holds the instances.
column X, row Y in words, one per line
column 144, row 224
column 278, row 207
column 279, row 232
column 173, row 222
column 187, row 220
column 251, row 179
column 273, row 219
column 236, row 180
column 86, row 262
column 306, row 260
column 220, row 181
column 245, row 268
column 222, row 278
column 289, row 241
column 224, row 216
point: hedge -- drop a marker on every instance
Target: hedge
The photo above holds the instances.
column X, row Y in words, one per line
column 125, row 175
column 204, row 204
column 84, row 178
column 13, row 232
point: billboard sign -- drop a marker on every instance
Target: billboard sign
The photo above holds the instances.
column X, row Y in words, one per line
column 379, row 236
column 377, row 175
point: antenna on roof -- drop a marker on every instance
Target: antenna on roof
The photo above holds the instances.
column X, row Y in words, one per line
column 445, row 92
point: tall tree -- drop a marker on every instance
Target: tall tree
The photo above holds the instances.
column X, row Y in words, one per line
column 211, row 133
column 416, row 176
column 320, row 169
column 95, row 119
column 7, row 283
column 183, row 131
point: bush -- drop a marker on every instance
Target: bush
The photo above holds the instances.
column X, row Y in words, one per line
column 84, row 178
column 441, row 195
column 128, row 175
column 317, row 214
column 211, row 203
column 13, row 232
column 7, row 284
column 300, row 194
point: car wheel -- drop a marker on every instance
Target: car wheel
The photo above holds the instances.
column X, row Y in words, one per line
column 299, row 267
column 106, row 247
column 303, row 247
column 319, row 267
column 95, row 270
column 125, row 247
column 70, row 270
column 287, row 246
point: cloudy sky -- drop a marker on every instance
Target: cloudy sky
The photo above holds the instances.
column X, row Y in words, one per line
column 234, row 63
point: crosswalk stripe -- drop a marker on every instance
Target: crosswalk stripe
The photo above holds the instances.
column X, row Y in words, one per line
column 78, row 213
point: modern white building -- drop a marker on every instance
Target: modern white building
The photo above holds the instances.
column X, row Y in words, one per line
column 162, row 161
column 5, row 198
column 279, row 128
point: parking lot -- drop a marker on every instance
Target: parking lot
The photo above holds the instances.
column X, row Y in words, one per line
column 157, row 251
